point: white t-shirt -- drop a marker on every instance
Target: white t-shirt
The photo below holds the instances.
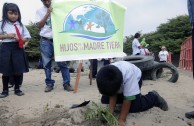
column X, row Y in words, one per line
column 46, row 30
column 163, row 55
column 131, row 76
column 10, row 28
column 144, row 51
column 135, row 45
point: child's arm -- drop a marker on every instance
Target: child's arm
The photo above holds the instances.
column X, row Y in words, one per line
column 25, row 40
column 124, row 112
column 112, row 102
column 25, row 44
column 7, row 36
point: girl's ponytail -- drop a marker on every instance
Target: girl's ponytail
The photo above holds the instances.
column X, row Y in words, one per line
column 4, row 10
column 4, row 16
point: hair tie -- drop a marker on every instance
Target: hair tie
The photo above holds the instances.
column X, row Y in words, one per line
column 6, row 4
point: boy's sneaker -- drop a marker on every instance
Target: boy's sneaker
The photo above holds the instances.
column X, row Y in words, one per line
column 4, row 94
column 48, row 89
column 18, row 92
column 189, row 115
column 162, row 104
column 68, row 87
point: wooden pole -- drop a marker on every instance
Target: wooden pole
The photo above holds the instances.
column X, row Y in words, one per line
column 91, row 66
column 78, row 76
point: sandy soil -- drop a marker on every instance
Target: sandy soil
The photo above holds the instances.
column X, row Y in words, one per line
column 37, row 108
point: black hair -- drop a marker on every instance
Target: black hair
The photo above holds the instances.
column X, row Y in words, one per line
column 10, row 7
column 137, row 35
column 109, row 80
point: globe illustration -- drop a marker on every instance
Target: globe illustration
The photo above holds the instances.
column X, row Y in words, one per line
column 89, row 21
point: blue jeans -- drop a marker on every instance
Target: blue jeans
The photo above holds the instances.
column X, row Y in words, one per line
column 47, row 53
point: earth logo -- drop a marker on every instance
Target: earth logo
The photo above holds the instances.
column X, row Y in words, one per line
column 90, row 22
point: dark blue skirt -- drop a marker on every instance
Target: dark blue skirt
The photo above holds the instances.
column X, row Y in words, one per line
column 13, row 59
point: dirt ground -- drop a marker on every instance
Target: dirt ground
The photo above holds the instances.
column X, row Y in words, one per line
column 37, row 108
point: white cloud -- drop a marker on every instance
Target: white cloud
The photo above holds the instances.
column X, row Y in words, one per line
column 147, row 15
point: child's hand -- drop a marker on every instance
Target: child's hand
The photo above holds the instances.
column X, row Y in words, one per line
column 11, row 35
column 17, row 39
column 25, row 44
column 121, row 123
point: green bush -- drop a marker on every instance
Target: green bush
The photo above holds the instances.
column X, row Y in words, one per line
column 32, row 50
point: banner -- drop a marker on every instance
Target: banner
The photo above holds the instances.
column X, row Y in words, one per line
column 84, row 29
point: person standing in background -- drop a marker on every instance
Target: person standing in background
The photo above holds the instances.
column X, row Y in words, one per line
column 106, row 61
column 144, row 50
column 43, row 21
column 190, row 6
column 136, row 45
column 163, row 54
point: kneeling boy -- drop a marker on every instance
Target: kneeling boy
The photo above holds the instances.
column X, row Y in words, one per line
column 120, row 83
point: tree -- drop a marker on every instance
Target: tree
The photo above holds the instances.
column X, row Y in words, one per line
column 103, row 20
column 127, row 48
column 32, row 49
column 170, row 34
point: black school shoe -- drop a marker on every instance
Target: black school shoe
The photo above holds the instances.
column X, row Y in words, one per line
column 4, row 94
column 162, row 104
column 189, row 115
column 18, row 92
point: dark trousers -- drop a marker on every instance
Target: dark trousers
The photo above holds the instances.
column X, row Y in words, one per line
column 106, row 62
column 94, row 67
column 140, row 104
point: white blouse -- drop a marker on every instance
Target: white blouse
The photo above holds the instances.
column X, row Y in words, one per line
column 10, row 28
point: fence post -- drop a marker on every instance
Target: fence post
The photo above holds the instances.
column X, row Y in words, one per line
column 170, row 57
column 186, row 55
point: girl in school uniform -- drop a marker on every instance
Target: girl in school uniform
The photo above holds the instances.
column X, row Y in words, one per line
column 12, row 57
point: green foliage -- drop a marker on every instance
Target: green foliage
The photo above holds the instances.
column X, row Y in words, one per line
column 127, row 47
column 101, row 113
column 170, row 34
column 32, row 49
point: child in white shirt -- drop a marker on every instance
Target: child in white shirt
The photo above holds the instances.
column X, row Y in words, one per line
column 120, row 83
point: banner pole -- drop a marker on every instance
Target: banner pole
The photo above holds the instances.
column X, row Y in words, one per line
column 78, row 76
column 91, row 66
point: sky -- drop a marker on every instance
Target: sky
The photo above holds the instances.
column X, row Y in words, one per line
column 140, row 15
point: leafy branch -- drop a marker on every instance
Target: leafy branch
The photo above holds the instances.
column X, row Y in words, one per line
column 102, row 114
